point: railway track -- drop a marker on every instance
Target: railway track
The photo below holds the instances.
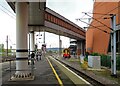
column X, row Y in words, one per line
column 92, row 81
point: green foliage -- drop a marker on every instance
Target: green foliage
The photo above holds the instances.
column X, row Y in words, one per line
column 2, row 48
column 86, row 56
column 86, row 59
column 95, row 54
column 105, row 60
column 9, row 51
column 50, row 51
column 118, row 62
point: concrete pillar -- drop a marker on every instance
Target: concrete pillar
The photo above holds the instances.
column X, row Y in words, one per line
column 32, row 42
column 84, row 47
column 21, row 42
column 60, row 46
column 80, row 48
column 44, row 37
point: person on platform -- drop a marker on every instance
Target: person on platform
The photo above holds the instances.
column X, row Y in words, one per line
column 40, row 55
column 37, row 56
column 32, row 57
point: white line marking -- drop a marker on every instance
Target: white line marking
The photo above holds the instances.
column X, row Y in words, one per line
column 73, row 72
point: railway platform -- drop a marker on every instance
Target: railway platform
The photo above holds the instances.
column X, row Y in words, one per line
column 43, row 76
column 103, row 76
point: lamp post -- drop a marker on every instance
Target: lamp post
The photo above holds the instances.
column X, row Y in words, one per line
column 7, row 46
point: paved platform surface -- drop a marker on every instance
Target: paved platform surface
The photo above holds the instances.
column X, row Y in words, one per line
column 43, row 76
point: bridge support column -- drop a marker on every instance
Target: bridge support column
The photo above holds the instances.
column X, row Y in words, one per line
column 22, row 72
column 80, row 48
column 32, row 43
column 60, row 47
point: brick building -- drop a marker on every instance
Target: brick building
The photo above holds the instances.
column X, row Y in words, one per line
column 96, row 39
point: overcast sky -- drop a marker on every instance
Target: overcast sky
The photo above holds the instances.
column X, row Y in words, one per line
column 70, row 9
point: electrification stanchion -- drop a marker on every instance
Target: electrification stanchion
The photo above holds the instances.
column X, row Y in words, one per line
column 113, row 46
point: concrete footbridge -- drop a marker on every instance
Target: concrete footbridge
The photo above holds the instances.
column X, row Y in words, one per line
column 41, row 17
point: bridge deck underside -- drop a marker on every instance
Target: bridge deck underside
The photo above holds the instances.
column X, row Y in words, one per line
column 50, row 21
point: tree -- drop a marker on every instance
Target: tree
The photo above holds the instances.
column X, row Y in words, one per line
column 2, row 48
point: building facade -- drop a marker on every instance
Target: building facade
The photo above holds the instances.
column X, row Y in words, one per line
column 98, row 33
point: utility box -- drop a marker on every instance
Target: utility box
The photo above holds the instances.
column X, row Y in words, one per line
column 94, row 62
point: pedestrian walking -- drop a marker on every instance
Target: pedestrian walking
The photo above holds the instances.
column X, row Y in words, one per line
column 40, row 55
column 37, row 56
column 32, row 58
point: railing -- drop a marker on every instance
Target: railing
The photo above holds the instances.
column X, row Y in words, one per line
column 10, row 66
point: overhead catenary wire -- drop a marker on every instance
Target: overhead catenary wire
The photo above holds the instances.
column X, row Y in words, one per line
column 97, row 5
column 10, row 41
column 113, row 9
column 7, row 13
column 108, row 13
column 97, row 13
column 91, row 26
column 7, row 9
column 94, row 26
column 99, row 22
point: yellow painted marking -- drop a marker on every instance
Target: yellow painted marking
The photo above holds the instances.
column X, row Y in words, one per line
column 73, row 76
column 59, row 80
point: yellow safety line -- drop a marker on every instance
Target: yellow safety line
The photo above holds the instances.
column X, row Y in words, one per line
column 59, row 80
